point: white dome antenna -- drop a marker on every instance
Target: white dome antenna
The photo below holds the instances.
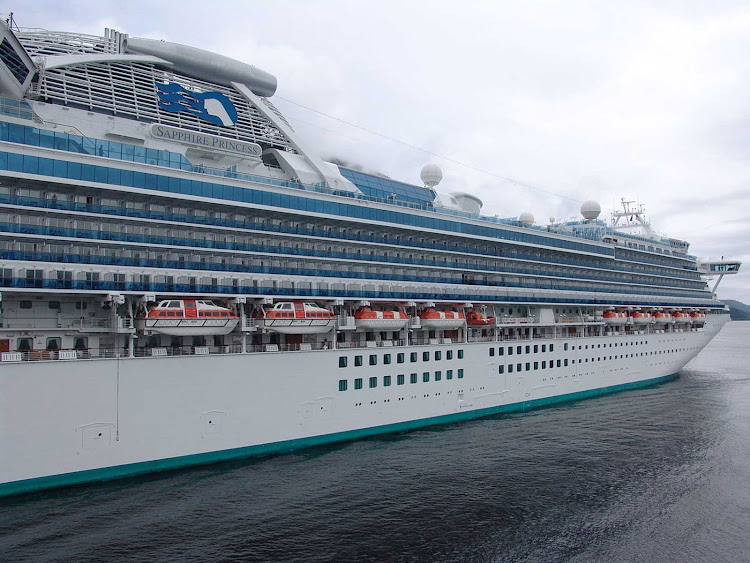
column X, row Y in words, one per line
column 431, row 175
column 526, row 219
column 590, row 210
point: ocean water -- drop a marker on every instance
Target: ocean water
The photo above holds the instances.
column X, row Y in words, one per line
column 658, row 474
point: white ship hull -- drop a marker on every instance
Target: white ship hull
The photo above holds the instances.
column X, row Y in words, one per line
column 89, row 420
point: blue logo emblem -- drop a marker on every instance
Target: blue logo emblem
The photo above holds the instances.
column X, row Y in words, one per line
column 213, row 107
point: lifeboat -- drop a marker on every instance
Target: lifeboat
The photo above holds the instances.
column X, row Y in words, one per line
column 432, row 318
column 681, row 318
column 697, row 317
column 298, row 317
column 662, row 318
column 189, row 317
column 615, row 318
column 640, row 318
column 477, row 318
column 368, row 319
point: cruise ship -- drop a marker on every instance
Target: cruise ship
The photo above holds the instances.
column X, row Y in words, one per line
column 185, row 281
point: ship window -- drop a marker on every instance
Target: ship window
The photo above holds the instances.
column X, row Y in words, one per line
column 413, row 357
column 528, row 349
column 536, row 365
column 373, row 382
column 54, row 343
column 558, row 362
column 358, row 383
column 25, row 344
column 438, row 376
column 519, row 349
column 373, row 359
column 342, row 384
column 81, row 305
column 387, row 381
column 357, row 361
column 80, row 342
column 565, row 347
column 438, row 355
column 544, row 364
column 510, row 368
column 566, row 363
column 25, row 304
column 519, row 367
column 528, row 366
column 500, row 351
column 460, row 354
column 500, row 369
column 492, row 351
column 461, row 373
column 400, row 358
column 400, row 379
column 544, row 348
column 387, row 359
column 54, row 304
column 536, row 348
column 413, row 378
column 449, row 355
column 510, row 350
column 426, row 377
column 425, row 356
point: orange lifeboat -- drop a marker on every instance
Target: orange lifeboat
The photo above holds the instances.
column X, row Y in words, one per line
column 189, row 317
column 662, row 318
column 298, row 317
column 477, row 318
column 641, row 318
column 432, row 318
column 615, row 318
column 682, row 318
column 697, row 317
column 368, row 319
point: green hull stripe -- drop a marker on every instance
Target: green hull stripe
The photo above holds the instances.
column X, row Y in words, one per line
column 120, row 471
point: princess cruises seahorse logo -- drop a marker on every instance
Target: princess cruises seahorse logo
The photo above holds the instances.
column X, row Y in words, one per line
column 213, row 107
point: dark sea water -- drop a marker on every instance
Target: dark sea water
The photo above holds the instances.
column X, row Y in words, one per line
column 659, row 474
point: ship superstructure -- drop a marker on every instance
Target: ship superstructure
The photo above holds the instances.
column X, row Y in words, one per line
column 183, row 280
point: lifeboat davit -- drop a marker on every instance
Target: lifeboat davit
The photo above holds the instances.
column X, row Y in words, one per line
column 432, row 318
column 615, row 318
column 189, row 317
column 368, row 319
column 640, row 318
column 477, row 318
column 298, row 318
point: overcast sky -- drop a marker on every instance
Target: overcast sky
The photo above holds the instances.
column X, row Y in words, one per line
column 582, row 100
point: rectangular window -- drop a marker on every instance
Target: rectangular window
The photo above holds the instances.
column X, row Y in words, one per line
column 342, row 361
column 500, row 351
column 461, row 374
column 565, row 347
column 500, row 369
column 519, row 349
column 373, row 359
column 528, row 366
column 425, row 356
column 400, row 358
column 342, row 384
column 544, row 348
column 373, row 382
column 536, row 348
column 438, row 355
column 449, row 355
column 566, row 363
column 413, row 357
column 387, row 381
column 536, row 365
column 544, row 364
column 412, row 378
column 518, row 367
column 528, row 349
column 358, row 383
column 357, row 361
column 438, row 376
column 492, row 351
column 449, row 374
column 510, row 368
column 558, row 363
column 425, row 377
column 510, row 350
column 460, row 354
column 387, row 359
column 551, row 347
column 400, row 379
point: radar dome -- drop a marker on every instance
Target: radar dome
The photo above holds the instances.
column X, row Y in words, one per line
column 431, row 175
column 526, row 219
column 590, row 210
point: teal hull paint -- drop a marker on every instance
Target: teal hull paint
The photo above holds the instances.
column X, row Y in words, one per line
column 129, row 470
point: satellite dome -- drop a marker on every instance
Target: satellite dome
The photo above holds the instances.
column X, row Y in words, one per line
column 431, row 175
column 526, row 219
column 590, row 210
